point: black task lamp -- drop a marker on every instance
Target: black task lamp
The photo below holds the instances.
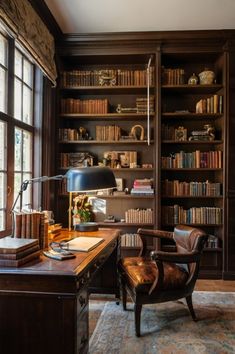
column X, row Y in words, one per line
column 88, row 179
column 81, row 179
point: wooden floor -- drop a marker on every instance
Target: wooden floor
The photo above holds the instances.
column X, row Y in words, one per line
column 215, row 285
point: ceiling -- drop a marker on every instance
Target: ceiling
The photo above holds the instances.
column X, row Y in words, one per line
column 92, row 16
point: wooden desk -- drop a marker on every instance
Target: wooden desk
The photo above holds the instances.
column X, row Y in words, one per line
column 44, row 305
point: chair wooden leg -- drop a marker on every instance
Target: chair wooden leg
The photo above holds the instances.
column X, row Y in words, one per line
column 138, row 309
column 190, row 306
column 124, row 295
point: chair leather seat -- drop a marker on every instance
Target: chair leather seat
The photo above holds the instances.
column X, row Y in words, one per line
column 142, row 272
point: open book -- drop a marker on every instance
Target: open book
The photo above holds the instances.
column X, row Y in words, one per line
column 83, row 244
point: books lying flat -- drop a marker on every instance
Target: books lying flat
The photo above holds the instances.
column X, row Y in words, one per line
column 19, row 262
column 14, row 245
column 83, row 244
column 19, row 254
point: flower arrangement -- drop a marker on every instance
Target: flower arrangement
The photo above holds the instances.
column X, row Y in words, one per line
column 82, row 210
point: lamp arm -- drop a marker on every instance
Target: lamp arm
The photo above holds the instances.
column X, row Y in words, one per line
column 25, row 184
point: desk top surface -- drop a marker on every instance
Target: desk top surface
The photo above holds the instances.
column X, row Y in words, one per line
column 69, row 267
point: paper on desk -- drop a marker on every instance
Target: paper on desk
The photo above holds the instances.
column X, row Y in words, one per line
column 83, row 244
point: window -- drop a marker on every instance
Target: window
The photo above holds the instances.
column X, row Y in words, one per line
column 3, row 72
column 18, row 127
column 3, row 175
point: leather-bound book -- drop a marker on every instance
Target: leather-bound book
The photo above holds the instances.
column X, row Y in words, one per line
column 19, row 262
column 14, row 245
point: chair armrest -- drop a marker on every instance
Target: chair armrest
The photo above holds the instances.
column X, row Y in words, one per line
column 155, row 233
column 174, row 257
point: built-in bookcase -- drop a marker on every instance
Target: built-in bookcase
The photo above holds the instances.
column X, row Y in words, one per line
column 104, row 117
column 192, row 166
column 107, row 117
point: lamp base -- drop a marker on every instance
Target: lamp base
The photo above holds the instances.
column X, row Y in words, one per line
column 86, row 226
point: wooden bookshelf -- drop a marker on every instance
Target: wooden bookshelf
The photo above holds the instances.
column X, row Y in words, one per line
column 175, row 106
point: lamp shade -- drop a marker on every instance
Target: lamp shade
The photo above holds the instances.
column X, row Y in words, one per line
column 84, row 179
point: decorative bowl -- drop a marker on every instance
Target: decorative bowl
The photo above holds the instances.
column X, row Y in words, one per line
column 206, row 77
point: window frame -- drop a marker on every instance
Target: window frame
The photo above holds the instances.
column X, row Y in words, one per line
column 35, row 129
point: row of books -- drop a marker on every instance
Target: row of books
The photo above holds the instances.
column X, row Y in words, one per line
column 176, row 214
column 183, row 188
column 195, row 159
column 92, row 106
column 137, row 216
column 119, row 77
column 107, row 133
column 130, row 240
column 173, row 76
column 31, row 225
column 143, row 186
column 213, row 104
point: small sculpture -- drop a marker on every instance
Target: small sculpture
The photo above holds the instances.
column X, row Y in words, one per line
column 206, row 77
column 121, row 109
column 107, row 78
column 133, row 133
column 206, row 134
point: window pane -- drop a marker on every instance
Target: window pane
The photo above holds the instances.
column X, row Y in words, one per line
column 27, row 151
column 3, row 155
column 28, row 73
column 3, row 50
column 2, row 190
column 18, row 64
column 18, row 149
column 2, row 220
column 23, row 165
column 18, row 100
column 3, row 89
column 27, row 105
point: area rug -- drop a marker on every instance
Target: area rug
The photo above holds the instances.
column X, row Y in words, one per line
column 168, row 327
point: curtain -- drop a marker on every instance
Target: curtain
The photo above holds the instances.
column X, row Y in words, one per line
column 28, row 28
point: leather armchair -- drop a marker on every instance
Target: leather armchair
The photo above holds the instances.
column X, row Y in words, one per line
column 162, row 276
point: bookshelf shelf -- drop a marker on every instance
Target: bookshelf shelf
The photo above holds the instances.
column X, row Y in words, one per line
column 196, row 225
column 126, row 196
column 192, row 89
column 192, row 169
column 124, row 224
column 191, row 197
column 191, row 115
column 119, row 142
column 98, row 90
column 194, row 142
column 106, row 116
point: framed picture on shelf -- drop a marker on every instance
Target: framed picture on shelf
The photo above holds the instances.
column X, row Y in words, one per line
column 180, row 134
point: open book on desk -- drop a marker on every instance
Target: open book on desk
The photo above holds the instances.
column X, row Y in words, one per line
column 83, row 244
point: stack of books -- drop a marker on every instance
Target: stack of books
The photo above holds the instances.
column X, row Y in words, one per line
column 142, row 187
column 31, row 225
column 15, row 252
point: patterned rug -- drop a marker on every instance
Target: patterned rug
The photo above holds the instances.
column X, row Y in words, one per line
column 168, row 328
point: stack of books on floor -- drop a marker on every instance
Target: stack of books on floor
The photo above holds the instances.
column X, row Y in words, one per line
column 15, row 252
column 142, row 187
